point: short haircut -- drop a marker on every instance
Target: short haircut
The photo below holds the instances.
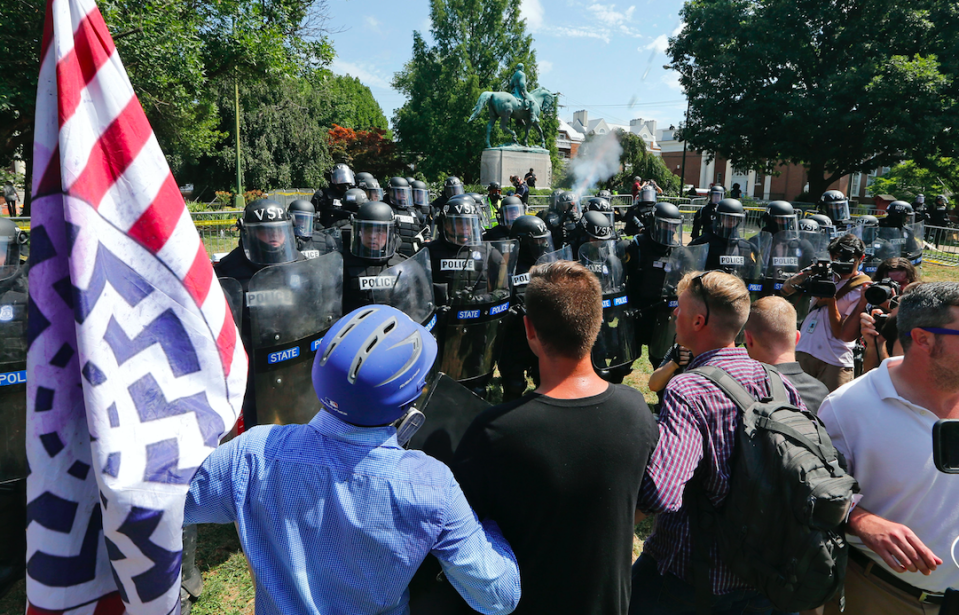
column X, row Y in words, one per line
column 728, row 300
column 564, row 303
column 896, row 263
column 847, row 243
column 772, row 321
column 925, row 305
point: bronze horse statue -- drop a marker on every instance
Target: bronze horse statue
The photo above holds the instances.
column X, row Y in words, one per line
column 505, row 106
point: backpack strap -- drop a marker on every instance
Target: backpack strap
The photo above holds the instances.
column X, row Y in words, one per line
column 854, row 283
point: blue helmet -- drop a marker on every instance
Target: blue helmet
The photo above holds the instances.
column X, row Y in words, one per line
column 371, row 365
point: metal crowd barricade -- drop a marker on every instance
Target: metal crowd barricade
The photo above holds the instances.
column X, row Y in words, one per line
column 285, row 196
column 217, row 229
column 941, row 246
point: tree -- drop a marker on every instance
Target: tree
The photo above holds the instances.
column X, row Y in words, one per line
column 840, row 87
column 366, row 150
column 636, row 160
column 908, row 179
column 353, row 106
column 478, row 44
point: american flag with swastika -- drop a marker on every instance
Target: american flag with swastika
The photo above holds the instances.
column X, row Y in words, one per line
column 135, row 369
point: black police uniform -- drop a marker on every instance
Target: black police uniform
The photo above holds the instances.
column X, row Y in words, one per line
column 409, row 224
column 329, row 206
column 702, row 219
column 358, row 270
column 645, row 263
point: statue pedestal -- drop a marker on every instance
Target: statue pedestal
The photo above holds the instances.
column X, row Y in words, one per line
column 498, row 163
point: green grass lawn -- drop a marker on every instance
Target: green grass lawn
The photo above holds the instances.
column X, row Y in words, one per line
column 228, row 588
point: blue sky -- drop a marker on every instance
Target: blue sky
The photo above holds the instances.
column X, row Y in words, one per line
column 605, row 58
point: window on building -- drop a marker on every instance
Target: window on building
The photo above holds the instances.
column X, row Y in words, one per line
column 855, row 183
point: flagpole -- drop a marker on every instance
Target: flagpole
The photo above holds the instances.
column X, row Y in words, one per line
column 238, row 201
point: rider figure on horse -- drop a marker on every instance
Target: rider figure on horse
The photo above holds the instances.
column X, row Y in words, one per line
column 517, row 85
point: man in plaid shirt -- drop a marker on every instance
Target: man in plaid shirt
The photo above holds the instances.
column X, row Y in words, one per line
column 697, row 426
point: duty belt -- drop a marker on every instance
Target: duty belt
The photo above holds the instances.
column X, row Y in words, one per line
column 871, row 567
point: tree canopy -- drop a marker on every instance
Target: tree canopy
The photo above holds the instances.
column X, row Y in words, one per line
column 839, row 87
column 908, row 179
column 477, row 46
column 636, row 160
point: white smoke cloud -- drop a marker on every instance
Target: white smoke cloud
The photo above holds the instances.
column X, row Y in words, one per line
column 596, row 161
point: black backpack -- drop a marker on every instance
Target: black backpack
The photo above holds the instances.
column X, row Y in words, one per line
column 781, row 528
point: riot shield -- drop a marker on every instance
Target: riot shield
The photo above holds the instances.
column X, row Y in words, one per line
column 13, row 383
column 789, row 253
column 744, row 260
column 681, row 261
column 616, row 343
column 234, row 298
column 563, row 254
column 884, row 242
column 479, row 296
column 291, row 306
column 408, row 287
column 914, row 242
column 449, row 408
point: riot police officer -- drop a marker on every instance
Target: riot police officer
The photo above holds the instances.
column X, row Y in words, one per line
column 878, row 244
column 779, row 216
column 645, row 262
column 410, row 223
column 13, row 398
column 939, row 216
column 594, row 225
column 725, row 240
column 899, row 215
column 512, row 207
column 373, row 248
column 266, row 238
column 562, row 216
column 826, row 226
column 835, row 205
column 516, row 360
column 808, row 225
column 421, row 199
column 703, row 218
column 309, row 242
column 641, row 211
column 457, row 225
column 602, row 205
column 494, row 194
column 369, row 184
column 328, row 201
column 451, row 187
column 919, row 206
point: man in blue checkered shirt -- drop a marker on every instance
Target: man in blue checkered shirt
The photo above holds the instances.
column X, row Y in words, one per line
column 335, row 516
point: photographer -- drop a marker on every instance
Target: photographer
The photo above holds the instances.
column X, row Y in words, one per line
column 877, row 321
column 829, row 331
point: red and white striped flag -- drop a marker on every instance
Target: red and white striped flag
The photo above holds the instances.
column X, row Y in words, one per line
column 134, row 368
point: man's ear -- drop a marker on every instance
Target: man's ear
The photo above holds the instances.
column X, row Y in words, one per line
column 748, row 338
column 798, row 335
column 923, row 339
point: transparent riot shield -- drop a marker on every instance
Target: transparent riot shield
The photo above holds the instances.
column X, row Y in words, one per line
column 479, row 296
column 681, row 261
column 13, row 382
column 744, row 260
column 563, row 254
column 789, row 253
column 328, row 240
column 234, row 298
column 883, row 243
column 616, row 343
column 408, row 287
column 449, row 408
column 914, row 242
column 291, row 306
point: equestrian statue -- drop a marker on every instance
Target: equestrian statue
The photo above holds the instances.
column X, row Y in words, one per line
column 520, row 105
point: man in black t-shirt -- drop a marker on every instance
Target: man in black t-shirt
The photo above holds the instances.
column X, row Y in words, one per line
column 560, row 468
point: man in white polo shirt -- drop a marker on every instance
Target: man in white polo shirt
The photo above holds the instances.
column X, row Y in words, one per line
column 907, row 522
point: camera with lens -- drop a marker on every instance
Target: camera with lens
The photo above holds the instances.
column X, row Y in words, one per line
column 882, row 291
column 819, row 280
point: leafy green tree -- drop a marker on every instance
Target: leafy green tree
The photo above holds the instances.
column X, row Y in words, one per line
column 352, row 104
column 478, row 44
column 636, row 160
column 908, row 179
column 839, row 87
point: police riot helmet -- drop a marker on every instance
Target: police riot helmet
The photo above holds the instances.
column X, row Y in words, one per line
column 920, row 199
column 899, row 214
column 302, row 213
column 342, row 177
column 421, row 193
column 410, row 180
column 647, row 194
column 362, row 178
column 266, row 233
column 534, row 237
column 494, row 187
column 834, row 204
column 667, row 225
column 371, row 186
column 781, row 216
column 567, row 201
column 808, row 225
column 605, row 194
column 601, row 205
column 11, row 238
column 942, row 201
column 510, row 209
column 372, row 365
column 353, row 198
column 400, row 195
column 597, row 226
column 868, row 228
column 716, row 194
column 826, row 226
column 452, row 186
column 374, row 231
column 461, row 222
column 728, row 218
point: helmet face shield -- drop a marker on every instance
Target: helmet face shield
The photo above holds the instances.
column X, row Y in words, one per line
column 462, row 230
column 648, row 195
column 373, row 239
column 302, row 223
column 727, row 224
column 539, row 245
column 401, row 197
column 909, row 219
column 512, row 211
column 9, row 256
column 342, row 175
column 715, row 196
column 421, row 197
column 667, row 231
column 451, row 190
column 786, row 223
column 268, row 243
column 838, row 210
column 921, row 199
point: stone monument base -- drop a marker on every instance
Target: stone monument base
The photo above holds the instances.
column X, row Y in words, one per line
column 498, row 163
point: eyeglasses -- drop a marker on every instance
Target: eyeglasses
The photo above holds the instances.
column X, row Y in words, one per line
column 696, row 285
column 940, row 331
